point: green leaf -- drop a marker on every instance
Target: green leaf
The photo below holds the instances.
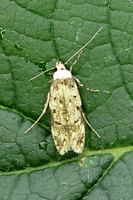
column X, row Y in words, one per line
column 33, row 35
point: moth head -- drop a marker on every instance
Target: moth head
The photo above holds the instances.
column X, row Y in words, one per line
column 59, row 66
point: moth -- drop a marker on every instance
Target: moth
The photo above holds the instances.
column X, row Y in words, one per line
column 67, row 118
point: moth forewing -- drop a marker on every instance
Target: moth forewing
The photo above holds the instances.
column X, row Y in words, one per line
column 66, row 113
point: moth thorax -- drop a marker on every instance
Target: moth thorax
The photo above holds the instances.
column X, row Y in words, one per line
column 61, row 72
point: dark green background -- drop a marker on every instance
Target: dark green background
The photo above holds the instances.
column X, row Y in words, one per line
column 33, row 35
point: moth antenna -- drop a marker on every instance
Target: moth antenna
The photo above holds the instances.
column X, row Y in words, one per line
column 41, row 73
column 84, row 46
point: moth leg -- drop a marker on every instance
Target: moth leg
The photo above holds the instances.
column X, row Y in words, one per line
column 44, row 110
column 90, row 126
column 75, row 61
column 50, row 81
column 81, row 85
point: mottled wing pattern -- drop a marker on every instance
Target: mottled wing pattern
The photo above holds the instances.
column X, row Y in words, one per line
column 66, row 116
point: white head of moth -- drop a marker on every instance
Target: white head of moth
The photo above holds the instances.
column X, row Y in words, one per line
column 65, row 105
